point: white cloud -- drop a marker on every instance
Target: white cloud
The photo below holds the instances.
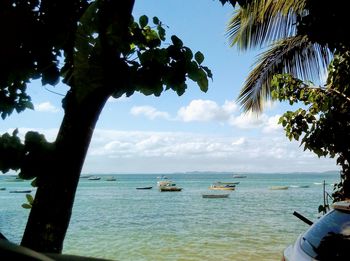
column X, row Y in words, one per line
column 206, row 110
column 197, row 110
column 248, row 121
column 45, row 107
column 239, row 141
column 149, row 111
column 135, row 151
column 209, row 111
column 268, row 124
column 271, row 125
column 230, row 106
column 116, row 151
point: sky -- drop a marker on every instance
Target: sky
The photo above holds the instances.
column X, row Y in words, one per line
column 194, row 132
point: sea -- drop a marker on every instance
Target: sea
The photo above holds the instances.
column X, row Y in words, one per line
column 114, row 220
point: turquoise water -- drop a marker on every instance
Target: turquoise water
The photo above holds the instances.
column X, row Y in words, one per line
column 111, row 219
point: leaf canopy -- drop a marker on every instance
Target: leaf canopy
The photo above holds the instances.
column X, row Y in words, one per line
column 276, row 24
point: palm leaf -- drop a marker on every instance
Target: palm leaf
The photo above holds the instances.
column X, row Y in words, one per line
column 293, row 55
column 263, row 21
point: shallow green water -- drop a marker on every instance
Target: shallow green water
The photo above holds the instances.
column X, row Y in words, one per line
column 111, row 219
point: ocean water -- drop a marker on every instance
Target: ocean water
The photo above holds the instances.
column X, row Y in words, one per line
column 114, row 220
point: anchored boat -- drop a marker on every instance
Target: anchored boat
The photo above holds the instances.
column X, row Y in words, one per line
column 215, row 195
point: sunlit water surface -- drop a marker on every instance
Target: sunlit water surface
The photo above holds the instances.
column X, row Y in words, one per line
column 114, row 220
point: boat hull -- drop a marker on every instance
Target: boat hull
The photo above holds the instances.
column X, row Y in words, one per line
column 222, row 188
column 169, row 189
column 278, row 188
column 94, row 178
column 215, row 196
column 239, row 176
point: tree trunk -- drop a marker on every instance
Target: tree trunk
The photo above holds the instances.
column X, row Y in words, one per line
column 52, row 208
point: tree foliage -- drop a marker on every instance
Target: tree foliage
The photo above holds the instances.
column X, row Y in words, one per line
column 99, row 51
column 323, row 125
column 11, row 151
column 304, row 32
column 302, row 37
column 34, row 35
column 40, row 35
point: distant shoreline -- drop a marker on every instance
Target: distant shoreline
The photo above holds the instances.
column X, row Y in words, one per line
column 335, row 172
column 213, row 172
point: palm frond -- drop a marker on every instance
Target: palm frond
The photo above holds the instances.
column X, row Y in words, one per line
column 263, row 21
column 294, row 55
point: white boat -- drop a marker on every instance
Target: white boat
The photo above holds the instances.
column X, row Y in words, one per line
column 213, row 187
column 227, row 183
column 299, row 186
column 239, row 176
column 94, row 178
column 161, row 183
column 223, row 186
column 20, row 191
column 162, row 177
column 278, row 187
column 167, row 185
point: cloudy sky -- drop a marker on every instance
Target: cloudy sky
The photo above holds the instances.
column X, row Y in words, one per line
column 195, row 132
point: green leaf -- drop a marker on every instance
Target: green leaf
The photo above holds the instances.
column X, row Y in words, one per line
column 34, row 183
column 193, row 71
column 161, row 32
column 156, row 20
column 208, row 71
column 29, row 198
column 181, row 88
column 188, row 54
column 26, row 206
column 199, row 57
column 143, row 21
column 51, row 74
column 29, row 105
column 176, row 41
column 202, row 81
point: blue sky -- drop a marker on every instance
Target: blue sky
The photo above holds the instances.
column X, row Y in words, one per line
column 195, row 132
